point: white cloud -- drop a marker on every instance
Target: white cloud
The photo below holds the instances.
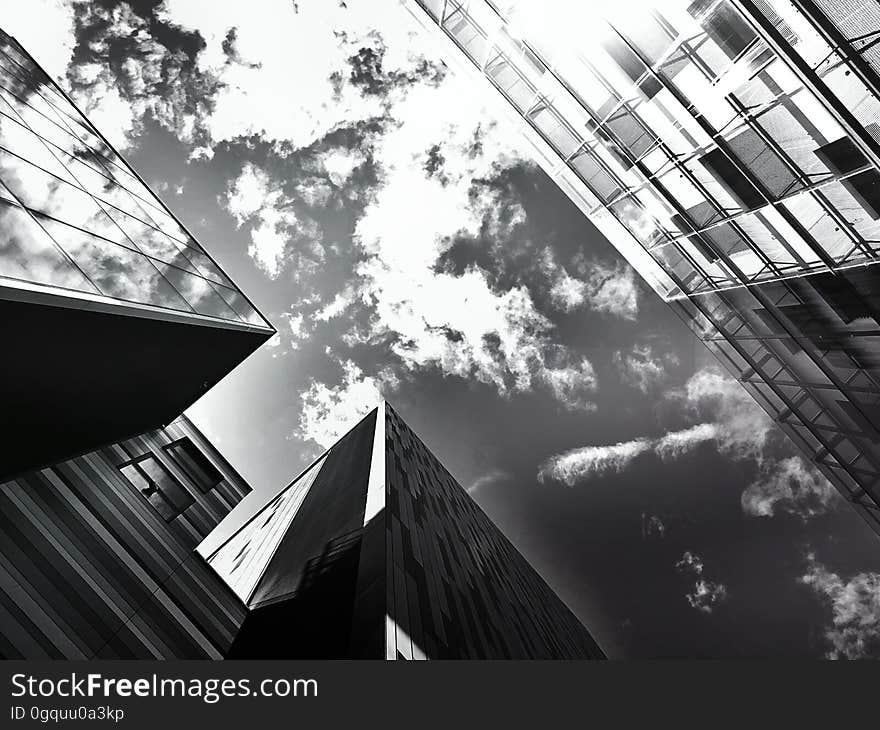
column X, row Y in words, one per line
column 791, row 485
column 642, row 368
column 743, row 428
column 340, row 162
column 45, row 28
column 340, row 303
column 572, row 385
column 567, row 292
column 854, row 632
column 285, row 81
column 458, row 324
column 730, row 420
column 613, row 290
column 590, row 461
column 602, row 288
column 705, row 594
column 490, row 477
column 677, row 443
column 579, row 464
column 328, row 413
column 249, row 193
column 253, row 197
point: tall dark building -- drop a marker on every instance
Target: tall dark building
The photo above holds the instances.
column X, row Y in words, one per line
column 730, row 150
column 115, row 319
column 375, row 551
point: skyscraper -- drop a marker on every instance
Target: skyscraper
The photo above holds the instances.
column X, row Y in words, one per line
column 375, row 551
column 115, row 319
column 730, row 150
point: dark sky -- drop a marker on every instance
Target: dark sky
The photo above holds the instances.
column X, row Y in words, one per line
column 401, row 241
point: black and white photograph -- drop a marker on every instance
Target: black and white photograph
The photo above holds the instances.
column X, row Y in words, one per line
column 439, row 330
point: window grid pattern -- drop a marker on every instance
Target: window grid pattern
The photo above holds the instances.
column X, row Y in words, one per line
column 74, row 215
column 635, row 123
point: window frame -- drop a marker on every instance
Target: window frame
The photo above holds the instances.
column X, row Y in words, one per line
column 155, row 488
column 179, row 443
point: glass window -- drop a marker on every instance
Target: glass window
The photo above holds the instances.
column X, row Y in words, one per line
column 732, row 179
column 29, row 254
column 167, row 495
column 195, row 464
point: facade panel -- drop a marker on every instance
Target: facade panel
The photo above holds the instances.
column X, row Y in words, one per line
column 91, row 566
column 730, row 149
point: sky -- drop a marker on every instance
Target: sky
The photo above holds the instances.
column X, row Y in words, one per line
column 403, row 244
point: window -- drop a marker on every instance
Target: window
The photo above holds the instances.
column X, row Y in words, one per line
column 195, row 464
column 168, row 496
column 842, row 157
column 732, row 179
column 632, row 66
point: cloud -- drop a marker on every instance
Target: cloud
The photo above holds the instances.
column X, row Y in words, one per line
column 743, row 428
column 576, row 465
column 586, row 462
column 319, row 45
column 490, row 477
column 45, row 28
column 432, row 318
column 328, row 413
column 854, row 632
column 677, row 443
column 705, row 594
column 572, row 385
column 613, row 290
column 254, row 199
column 124, row 72
column 730, row 420
column 642, row 368
column 608, row 289
column 340, row 162
column 790, row 485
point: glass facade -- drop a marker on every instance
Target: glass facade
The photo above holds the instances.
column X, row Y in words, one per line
column 75, row 216
column 730, row 149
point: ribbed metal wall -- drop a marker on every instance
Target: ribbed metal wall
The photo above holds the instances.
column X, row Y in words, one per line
column 89, row 569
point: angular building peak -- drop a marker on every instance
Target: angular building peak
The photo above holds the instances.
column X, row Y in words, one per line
column 375, row 551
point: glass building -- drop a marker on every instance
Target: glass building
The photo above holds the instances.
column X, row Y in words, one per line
column 730, row 150
column 375, row 551
column 115, row 318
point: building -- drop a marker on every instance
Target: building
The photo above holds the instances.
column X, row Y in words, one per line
column 115, row 319
column 97, row 553
column 730, row 150
column 375, row 551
